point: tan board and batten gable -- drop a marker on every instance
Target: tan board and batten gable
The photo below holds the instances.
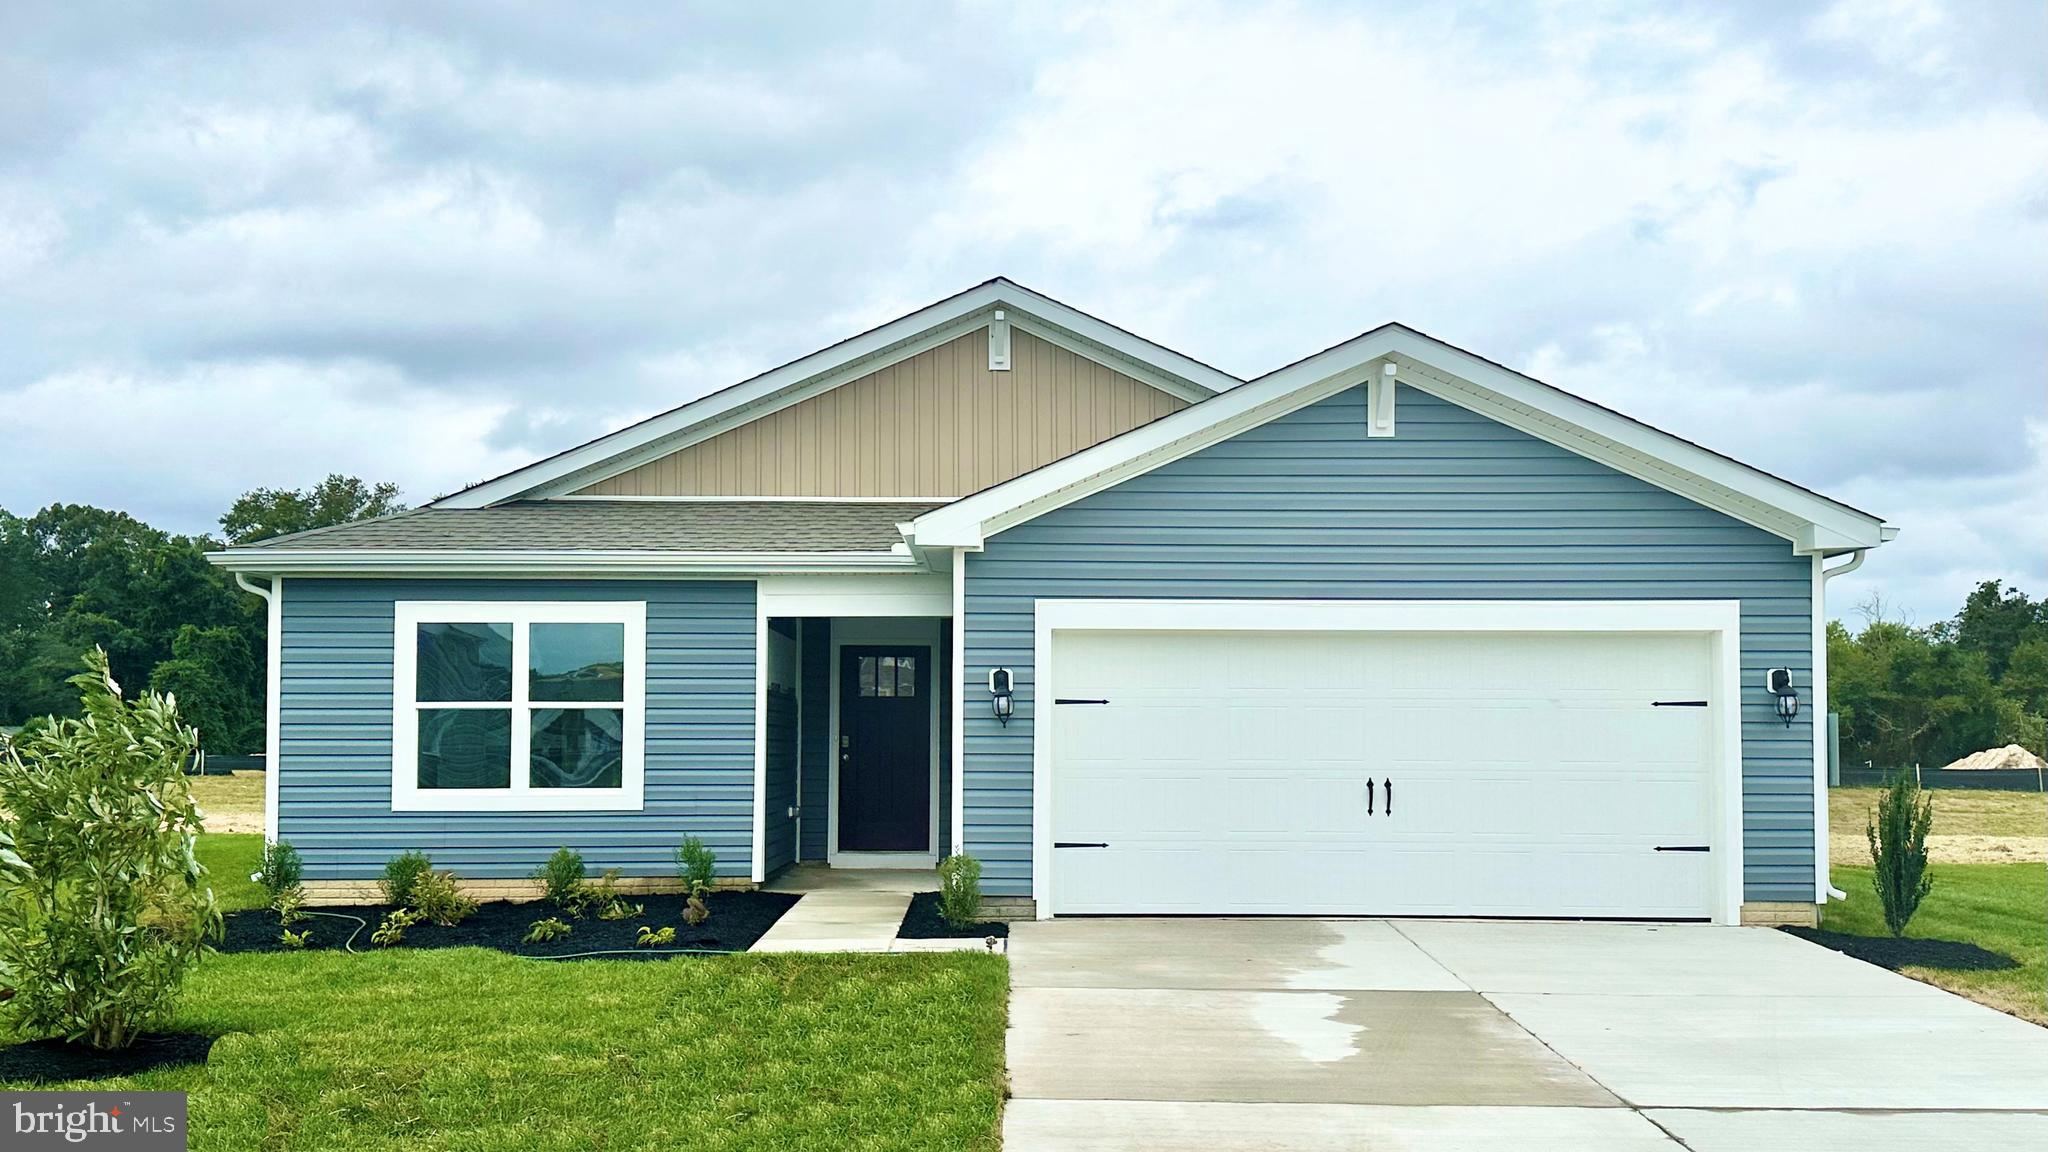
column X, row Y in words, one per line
column 939, row 424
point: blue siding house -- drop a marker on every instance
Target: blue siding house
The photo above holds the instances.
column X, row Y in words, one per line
column 1392, row 630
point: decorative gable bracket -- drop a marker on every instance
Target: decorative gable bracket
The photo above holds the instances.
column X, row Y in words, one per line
column 1379, row 401
column 999, row 342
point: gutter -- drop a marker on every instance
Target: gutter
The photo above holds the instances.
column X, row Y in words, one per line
column 1820, row 815
column 538, row 562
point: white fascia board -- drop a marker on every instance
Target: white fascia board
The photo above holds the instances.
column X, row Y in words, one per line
column 966, row 523
column 825, row 369
column 394, row 562
column 1810, row 521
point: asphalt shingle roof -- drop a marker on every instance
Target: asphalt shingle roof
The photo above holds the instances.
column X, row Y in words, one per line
column 624, row 525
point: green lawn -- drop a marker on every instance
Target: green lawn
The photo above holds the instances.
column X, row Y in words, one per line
column 2003, row 907
column 230, row 859
column 471, row 1049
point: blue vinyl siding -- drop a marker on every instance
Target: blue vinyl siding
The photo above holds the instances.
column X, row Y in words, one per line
column 816, row 738
column 335, row 735
column 1455, row 506
column 780, row 850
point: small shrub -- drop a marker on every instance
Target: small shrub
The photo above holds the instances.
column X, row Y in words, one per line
column 618, row 909
column 696, row 864
column 287, row 904
column 295, row 941
column 1898, row 849
column 650, row 938
column 392, row 930
column 401, row 874
column 440, row 899
column 960, row 889
column 561, row 880
column 282, row 869
column 602, row 895
column 103, row 905
column 542, row 931
column 695, row 910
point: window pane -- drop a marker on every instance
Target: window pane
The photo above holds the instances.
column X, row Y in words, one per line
column 906, row 675
column 465, row 748
column 578, row 748
column 885, row 677
column 867, row 675
column 465, row 662
column 577, row 662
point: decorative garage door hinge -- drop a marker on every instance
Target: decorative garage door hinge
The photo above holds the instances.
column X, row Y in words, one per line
column 1073, row 700
column 1685, row 847
column 1078, row 844
column 1678, row 703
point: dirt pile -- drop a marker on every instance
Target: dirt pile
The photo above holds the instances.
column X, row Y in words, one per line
column 2012, row 757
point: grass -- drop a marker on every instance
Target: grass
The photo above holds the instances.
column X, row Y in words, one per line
column 230, row 858
column 477, row 1050
column 232, row 803
column 472, row 1049
column 2003, row 907
column 1971, row 826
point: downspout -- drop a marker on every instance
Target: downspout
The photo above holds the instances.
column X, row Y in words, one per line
column 273, row 696
column 1827, row 574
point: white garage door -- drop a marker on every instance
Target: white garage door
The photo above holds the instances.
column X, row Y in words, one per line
column 1564, row 774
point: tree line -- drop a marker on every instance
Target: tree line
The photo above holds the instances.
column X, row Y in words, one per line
column 1930, row 695
column 73, row 577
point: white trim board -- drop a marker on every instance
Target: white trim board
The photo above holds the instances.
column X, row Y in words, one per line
column 856, row 633
column 1720, row 620
column 407, row 796
column 1811, row 522
column 849, row 359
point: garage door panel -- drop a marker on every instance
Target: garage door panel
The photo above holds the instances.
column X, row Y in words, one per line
column 1532, row 777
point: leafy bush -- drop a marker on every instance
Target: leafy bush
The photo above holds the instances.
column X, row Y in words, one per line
column 696, row 864
column 960, row 889
column 649, row 938
column 287, row 903
column 561, row 880
column 103, row 904
column 1898, row 849
column 392, row 930
column 602, row 895
column 542, row 931
column 282, row 869
column 695, row 910
column 439, row 898
column 295, row 941
column 401, row 874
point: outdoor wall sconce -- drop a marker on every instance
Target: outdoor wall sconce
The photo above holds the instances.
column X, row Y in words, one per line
column 1779, row 682
column 999, row 699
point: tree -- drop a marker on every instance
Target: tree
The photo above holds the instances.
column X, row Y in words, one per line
column 1993, row 621
column 103, row 905
column 1898, row 849
column 209, row 673
column 268, row 512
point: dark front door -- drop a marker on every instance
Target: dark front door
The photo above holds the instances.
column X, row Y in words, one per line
column 885, row 748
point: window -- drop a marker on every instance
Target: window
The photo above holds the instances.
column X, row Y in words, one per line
column 888, row 675
column 518, row 706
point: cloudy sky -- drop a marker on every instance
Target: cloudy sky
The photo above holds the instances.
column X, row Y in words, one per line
column 248, row 245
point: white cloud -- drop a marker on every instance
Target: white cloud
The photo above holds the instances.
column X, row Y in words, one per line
column 425, row 247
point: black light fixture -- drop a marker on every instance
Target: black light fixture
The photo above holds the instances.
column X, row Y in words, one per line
column 1779, row 682
column 999, row 699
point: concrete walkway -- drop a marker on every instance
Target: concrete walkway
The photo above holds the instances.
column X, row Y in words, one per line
column 851, row 910
column 1231, row 1035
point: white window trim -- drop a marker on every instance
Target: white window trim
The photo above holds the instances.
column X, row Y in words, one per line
column 408, row 796
column 1719, row 620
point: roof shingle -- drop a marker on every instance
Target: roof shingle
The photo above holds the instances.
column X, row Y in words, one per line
column 744, row 526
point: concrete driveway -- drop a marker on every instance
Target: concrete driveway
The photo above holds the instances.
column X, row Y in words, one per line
column 1231, row 1035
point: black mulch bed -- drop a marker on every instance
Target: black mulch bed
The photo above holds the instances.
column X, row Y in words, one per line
column 737, row 920
column 923, row 922
column 53, row 1061
column 1886, row 952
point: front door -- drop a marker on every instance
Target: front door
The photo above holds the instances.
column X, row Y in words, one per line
column 885, row 748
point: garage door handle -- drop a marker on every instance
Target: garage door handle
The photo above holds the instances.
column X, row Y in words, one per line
column 1077, row 844
column 1390, row 795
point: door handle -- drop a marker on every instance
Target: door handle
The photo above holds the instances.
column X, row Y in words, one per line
column 1368, row 795
column 1390, row 795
